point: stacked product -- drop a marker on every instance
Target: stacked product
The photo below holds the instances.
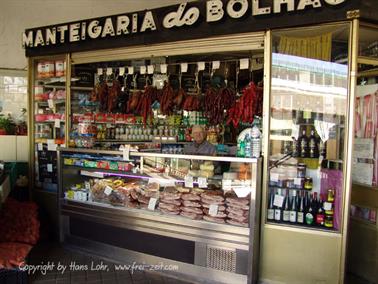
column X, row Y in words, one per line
column 191, row 205
column 213, row 206
column 237, row 211
column 170, row 201
column 145, row 193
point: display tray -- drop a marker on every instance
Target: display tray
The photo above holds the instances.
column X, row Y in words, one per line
column 157, row 223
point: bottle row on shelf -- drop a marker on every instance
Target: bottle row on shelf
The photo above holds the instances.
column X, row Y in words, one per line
column 301, row 208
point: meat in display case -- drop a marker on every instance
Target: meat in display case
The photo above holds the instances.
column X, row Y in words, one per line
column 214, row 208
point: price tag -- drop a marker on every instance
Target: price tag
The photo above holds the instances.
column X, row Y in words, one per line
column 242, row 191
column 189, row 181
column 51, row 146
column 130, row 70
column 108, row 190
column 297, row 181
column 163, row 68
column 40, row 147
column 202, row 182
column 274, row 177
column 121, row 71
column 143, row 70
column 126, row 153
column 278, row 200
column 49, row 168
column 109, row 71
column 100, row 71
column 150, row 69
column 201, row 66
column 213, row 210
column 244, row 63
column 216, row 65
column 87, row 185
column 57, row 123
column 327, row 206
column 152, row 204
column 51, row 103
column 184, row 67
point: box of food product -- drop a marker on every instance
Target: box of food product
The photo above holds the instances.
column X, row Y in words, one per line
column 60, row 68
column 103, row 165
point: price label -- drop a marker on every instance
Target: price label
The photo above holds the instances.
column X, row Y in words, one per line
column 327, row 206
column 213, row 210
column 57, row 123
column 100, row 71
column 87, row 185
column 150, row 69
column 51, row 103
column 49, row 168
column 126, row 153
column 216, row 65
column 121, row 71
column 274, row 177
column 108, row 190
column 143, row 70
column 184, row 67
column 40, row 147
column 109, row 71
column 297, row 181
column 163, row 68
column 201, row 66
column 130, row 70
column 244, row 63
column 152, row 204
column 189, row 181
column 202, row 182
column 51, row 146
column 242, row 191
column 278, row 200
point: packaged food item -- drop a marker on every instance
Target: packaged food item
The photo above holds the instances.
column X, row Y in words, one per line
column 60, row 68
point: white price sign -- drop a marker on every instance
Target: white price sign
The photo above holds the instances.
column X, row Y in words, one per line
column 201, row 66
column 274, row 177
column 163, row 68
column 244, row 63
column 152, row 204
column 130, row 70
column 108, row 190
column 202, row 182
column 278, row 200
column 121, row 71
column 100, row 71
column 49, row 168
column 126, row 152
column 87, row 185
column 327, row 206
column 216, row 65
column 57, row 123
column 297, row 181
column 143, row 70
column 189, row 181
column 109, row 71
column 40, row 147
column 184, row 67
column 150, row 69
column 213, row 210
column 51, row 103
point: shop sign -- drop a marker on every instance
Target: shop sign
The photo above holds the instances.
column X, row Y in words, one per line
column 193, row 15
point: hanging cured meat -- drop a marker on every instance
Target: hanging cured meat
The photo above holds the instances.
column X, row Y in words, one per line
column 216, row 102
column 114, row 93
column 166, row 100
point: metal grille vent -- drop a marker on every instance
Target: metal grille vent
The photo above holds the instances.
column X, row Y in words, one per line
column 221, row 259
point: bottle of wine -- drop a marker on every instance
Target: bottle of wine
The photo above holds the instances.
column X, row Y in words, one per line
column 301, row 211
column 293, row 211
column 313, row 145
column 295, row 148
column 303, row 145
column 310, row 214
column 270, row 214
column 286, row 211
column 278, row 209
column 320, row 215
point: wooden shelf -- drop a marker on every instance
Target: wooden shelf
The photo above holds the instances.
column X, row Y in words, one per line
column 364, row 195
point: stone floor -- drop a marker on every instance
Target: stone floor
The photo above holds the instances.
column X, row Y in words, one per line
column 76, row 272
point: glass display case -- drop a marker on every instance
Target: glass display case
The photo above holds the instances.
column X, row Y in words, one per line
column 211, row 202
column 48, row 122
column 309, row 100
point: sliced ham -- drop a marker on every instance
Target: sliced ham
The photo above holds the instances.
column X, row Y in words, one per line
column 188, row 203
column 237, row 207
column 173, row 201
column 220, row 207
column 237, row 212
column 237, row 201
column 170, row 196
column 213, row 219
column 190, row 197
column 237, row 217
column 192, row 216
column 167, row 206
column 211, row 201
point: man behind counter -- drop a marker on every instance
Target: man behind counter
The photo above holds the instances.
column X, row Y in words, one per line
column 200, row 146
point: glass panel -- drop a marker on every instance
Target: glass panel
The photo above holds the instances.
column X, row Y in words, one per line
column 49, row 119
column 365, row 168
column 307, row 126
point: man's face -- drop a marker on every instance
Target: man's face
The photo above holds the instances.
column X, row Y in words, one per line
column 199, row 135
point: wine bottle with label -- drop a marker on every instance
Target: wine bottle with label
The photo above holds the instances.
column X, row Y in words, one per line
column 313, row 145
column 278, row 209
column 320, row 214
column 293, row 211
column 310, row 214
column 303, row 144
column 286, row 210
column 270, row 214
column 301, row 211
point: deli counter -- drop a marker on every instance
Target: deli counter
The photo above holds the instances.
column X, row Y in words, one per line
column 200, row 213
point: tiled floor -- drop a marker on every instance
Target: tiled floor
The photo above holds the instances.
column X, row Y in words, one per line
column 55, row 254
